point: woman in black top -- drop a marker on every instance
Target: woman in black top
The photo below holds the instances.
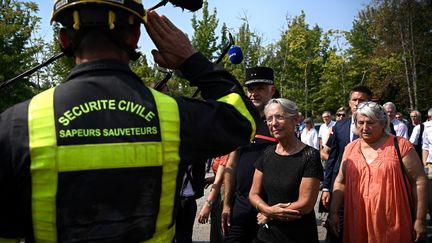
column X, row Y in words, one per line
column 286, row 181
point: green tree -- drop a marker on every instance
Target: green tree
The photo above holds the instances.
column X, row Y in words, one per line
column 204, row 38
column 331, row 92
column 17, row 23
column 224, row 40
column 362, row 46
column 58, row 71
column 299, row 56
column 250, row 44
column 142, row 69
column 398, row 68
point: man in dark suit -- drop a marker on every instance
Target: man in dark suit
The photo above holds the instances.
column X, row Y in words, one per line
column 343, row 133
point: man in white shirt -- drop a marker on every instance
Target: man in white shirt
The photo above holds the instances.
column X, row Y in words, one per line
column 416, row 119
column 400, row 127
column 417, row 129
column 323, row 133
column 427, row 141
column 427, row 155
column 427, row 144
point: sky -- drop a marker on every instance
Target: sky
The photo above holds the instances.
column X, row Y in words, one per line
column 266, row 18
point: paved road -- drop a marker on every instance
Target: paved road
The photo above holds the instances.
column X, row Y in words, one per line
column 201, row 232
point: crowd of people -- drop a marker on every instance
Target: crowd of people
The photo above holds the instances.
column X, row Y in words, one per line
column 269, row 165
column 374, row 181
column 375, row 187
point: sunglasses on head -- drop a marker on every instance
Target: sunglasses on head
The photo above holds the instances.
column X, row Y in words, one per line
column 369, row 104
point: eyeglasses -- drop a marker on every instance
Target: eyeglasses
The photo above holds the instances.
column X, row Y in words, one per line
column 340, row 114
column 369, row 104
column 278, row 118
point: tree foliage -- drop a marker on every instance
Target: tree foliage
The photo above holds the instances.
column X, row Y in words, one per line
column 251, row 45
column 144, row 71
column 17, row 49
column 299, row 56
column 389, row 48
column 58, row 71
column 204, row 38
column 394, row 44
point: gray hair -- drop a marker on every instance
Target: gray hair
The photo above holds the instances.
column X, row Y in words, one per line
column 288, row 106
column 375, row 112
column 417, row 113
column 391, row 104
column 309, row 120
column 430, row 112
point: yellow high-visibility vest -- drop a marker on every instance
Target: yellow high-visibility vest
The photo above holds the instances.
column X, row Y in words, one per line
column 48, row 160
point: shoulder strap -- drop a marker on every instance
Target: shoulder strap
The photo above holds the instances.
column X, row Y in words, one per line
column 392, row 130
column 420, row 139
column 396, row 144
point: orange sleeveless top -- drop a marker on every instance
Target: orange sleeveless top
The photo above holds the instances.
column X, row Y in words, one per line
column 375, row 199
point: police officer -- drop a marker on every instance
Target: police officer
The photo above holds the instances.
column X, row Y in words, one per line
column 239, row 222
column 98, row 158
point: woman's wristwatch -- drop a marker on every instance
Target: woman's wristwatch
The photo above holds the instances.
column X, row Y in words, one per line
column 210, row 202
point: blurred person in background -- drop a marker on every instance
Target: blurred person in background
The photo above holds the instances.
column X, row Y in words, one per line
column 399, row 127
column 324, row 132
column 309, row 134
column 325, row 149
column 415, row 131
column 214, row 203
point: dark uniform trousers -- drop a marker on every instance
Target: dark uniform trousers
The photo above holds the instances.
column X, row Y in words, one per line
column 185, row 219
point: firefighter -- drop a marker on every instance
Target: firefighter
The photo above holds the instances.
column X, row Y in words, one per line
column 100, row 157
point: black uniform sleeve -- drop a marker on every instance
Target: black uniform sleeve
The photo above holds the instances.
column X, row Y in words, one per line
column 210, row 128
column 14, row 172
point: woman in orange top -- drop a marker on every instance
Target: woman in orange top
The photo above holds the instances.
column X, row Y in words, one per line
column 371, row 184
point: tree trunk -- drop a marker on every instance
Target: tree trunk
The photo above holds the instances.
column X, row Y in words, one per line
column 413, row 61
column 306, row 89
column 404, row 58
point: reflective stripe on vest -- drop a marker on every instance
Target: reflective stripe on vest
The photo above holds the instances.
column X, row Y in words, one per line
column 4, row 240
column 48, row 159
column 235, row 100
